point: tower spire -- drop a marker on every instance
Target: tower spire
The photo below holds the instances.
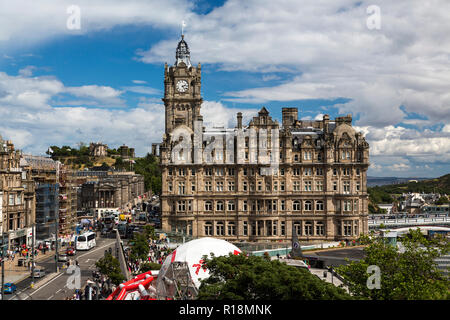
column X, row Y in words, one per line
column 182, row 53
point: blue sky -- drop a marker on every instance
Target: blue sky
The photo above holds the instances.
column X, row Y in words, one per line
column 104, row 82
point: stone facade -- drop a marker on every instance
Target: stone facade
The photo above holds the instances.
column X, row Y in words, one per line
column 114, row 190
column 317, row 190
column 16, row 219
column 125, row 152
column 98, row 149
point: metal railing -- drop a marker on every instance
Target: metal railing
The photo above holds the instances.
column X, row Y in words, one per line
column 409, row 221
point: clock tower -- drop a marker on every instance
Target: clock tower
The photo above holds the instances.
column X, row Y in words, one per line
column 182, row 83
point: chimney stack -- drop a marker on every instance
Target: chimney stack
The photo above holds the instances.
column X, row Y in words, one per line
column 239, row 120
column 289, row 115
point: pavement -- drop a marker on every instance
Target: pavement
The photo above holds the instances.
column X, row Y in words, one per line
column 329, row 277
column 14, row 273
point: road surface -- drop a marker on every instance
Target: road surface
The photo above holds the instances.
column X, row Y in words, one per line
column 57, row 287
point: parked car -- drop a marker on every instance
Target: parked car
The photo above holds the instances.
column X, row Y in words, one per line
column 71, row 251
column 10, row 288
column 143, row 217
column 63, row 257
column 39, row 272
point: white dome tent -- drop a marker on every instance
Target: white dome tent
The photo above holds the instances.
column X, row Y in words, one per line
column 181, row 272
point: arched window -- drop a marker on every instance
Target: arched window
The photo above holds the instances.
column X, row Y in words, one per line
column 320, row 229
column 319, row 205
column 208, row 206
column 308, row 228
column 208, row 228
column 219, row 206
column 298, row 228
column 296, row 206
column 231, row 228
column 308, row 205
column 220, row 228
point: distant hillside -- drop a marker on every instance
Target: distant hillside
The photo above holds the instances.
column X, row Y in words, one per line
column 386, row 193
column 381, row 181
column 438, row 185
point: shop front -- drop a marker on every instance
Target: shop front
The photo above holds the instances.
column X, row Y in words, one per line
column 20, row 237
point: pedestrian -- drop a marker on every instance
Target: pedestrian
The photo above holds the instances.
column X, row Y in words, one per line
column 86, row 292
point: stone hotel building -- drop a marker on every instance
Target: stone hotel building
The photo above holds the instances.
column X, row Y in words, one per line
column 318, row 188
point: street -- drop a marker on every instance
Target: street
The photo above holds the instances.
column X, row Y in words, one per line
column 57, row 287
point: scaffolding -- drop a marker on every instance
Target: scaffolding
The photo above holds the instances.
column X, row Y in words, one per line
column 175, row 282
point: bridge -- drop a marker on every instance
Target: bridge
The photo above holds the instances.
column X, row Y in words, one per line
column 409, row 222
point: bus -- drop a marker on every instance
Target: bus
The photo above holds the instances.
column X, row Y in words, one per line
column 86, row 241
column 108, row 222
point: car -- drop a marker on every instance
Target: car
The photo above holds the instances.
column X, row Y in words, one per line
column 71, row 251
column 63, row 257
column 142, row 217
column 39, row 272
column 9, row 288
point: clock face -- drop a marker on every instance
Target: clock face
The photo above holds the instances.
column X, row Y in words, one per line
column 182, row 86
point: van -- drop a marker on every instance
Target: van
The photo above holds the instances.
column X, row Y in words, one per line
column 39, row 272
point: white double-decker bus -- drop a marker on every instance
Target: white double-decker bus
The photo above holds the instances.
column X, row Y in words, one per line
column 86, row 241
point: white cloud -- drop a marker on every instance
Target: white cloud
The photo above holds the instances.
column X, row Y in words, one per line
column 27, row 71
column 25, row 92
column 400, row 167
column 32, row 22
column 376, row 167
column 324, row 47
column 329, row 44
column 33, row 123
column 215, row 114
column 139, row 81
column 143, row 90
column 103, row 94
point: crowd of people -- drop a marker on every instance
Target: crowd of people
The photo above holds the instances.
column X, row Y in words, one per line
column 24, row 252
column 158, row 251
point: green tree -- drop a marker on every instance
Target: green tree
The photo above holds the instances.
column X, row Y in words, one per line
column 238, row 277
column 149, row 232
column 407, row 271
column 139, row 247
column 110, row 267
column 120, row 164
column 442, row 200
column 147, row 266
column 149, row 168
